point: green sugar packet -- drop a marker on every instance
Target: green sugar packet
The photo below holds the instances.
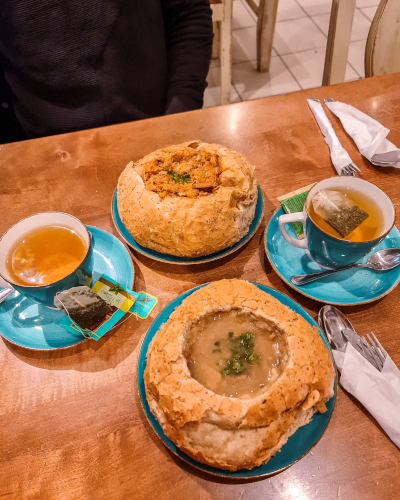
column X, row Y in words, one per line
column 294, row 202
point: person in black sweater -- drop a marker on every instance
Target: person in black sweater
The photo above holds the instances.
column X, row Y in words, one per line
column 70, row 65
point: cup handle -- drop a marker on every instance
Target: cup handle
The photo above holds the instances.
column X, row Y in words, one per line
column 296, row 217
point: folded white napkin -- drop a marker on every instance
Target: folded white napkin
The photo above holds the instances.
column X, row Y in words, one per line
column 368, row 134
column 339, row 156
column 378, row 392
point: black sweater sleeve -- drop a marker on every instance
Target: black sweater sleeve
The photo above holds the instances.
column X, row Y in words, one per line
column 189, row 36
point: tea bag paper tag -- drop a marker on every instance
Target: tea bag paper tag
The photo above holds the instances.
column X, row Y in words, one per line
column 122, row 301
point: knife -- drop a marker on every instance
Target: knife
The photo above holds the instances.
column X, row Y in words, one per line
column 390, row 157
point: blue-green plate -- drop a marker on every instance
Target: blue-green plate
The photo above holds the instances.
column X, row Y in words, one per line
column 298, row 445
column 356, row 286
column 172, row 259
column 27, row 323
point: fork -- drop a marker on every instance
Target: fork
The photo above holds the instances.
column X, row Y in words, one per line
column 373, row 350
column 338, row 154
column 350, row 170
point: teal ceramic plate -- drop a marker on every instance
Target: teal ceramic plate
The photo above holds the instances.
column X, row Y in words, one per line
column 172, row 259
column 297, row 445
column 26, row 323
column 356, row 286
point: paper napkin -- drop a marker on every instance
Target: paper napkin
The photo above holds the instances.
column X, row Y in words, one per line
column 378, row 392
column 368, row 134
column 339, row 156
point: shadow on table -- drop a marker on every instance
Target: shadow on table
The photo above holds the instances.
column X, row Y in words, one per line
column 90, row 355
column 229, row 267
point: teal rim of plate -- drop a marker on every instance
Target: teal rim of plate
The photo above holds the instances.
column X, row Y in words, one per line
column 297, row 446
column 39, row 330
column 347, row 288
column 172, row 259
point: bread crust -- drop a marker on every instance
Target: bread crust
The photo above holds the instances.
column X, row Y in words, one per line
column 232, row 433
column 190, row 227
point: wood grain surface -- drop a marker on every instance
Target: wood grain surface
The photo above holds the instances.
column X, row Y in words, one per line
column 71, row 426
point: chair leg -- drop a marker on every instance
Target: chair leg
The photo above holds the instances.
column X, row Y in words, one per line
column 226, row 58
column 337, row 48
column 265, row 33
column 216, row 41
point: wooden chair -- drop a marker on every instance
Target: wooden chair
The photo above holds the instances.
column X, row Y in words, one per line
column 382, row 53
column 266, row 18
column 222, row 19
column 337, row 49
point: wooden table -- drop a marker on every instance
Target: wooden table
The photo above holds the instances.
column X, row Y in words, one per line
column 71, row 426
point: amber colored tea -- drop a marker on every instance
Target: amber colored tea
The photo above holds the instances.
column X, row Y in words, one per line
column 45, row 255
column 369, row 229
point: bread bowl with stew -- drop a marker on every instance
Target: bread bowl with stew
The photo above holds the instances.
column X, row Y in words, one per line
column 188, row 200
column 234, row 373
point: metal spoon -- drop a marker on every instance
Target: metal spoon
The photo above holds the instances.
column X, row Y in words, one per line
column 7, row 290
column 384, row 260
column 333, row 322
column 339, row 331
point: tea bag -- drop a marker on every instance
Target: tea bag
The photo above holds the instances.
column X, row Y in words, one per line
column 83, row 306
column 338, row 211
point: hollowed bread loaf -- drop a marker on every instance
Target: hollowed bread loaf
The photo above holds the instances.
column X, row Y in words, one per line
column 229, row 432
column 188, row 200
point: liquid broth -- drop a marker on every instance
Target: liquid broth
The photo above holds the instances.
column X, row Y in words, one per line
column 206, row 366
column 369, row 229
column 44, row 255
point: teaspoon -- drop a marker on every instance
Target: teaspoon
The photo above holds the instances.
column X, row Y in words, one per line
column 384, row 260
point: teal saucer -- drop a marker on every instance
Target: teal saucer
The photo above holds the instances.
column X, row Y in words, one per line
column 298, row 445
column 172, row 259
column 27, row 323
column 356, row 286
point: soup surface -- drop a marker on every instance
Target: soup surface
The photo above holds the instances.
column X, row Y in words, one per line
column 369, row 229
column 235, row 353
column 44, row 255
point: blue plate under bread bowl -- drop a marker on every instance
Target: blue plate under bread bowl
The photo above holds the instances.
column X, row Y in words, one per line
column 298, row 445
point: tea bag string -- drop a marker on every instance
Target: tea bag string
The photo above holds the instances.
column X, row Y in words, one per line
column 85, row 334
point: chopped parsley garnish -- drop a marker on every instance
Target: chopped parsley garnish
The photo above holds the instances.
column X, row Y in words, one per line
column 178, row 178
column 243, row 355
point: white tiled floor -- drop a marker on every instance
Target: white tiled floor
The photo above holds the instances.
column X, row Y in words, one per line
column 298, row 53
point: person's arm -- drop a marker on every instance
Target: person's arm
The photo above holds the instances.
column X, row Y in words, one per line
column 189, row 36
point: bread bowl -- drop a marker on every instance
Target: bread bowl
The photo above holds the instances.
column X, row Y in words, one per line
column 235, row 431
column 188, row 200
